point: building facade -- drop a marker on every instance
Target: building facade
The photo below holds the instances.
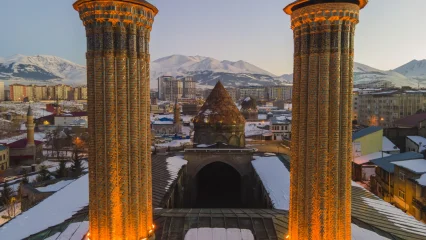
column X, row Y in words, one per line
column 2, row 96
column 283, row 92
column 259, row 93
column 4, row 158
column 383, row 108
column 19, row 92
column 280, row 128
column 189, row 88
column 118, row 82
column 320, row 194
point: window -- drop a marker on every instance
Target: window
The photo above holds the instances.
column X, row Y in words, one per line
column 401, row 176
column 401, row 194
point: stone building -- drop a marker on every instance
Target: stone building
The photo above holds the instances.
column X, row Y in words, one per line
column 219, row 120
column 249, row 109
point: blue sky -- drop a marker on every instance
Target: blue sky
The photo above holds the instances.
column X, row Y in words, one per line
column 256, row 31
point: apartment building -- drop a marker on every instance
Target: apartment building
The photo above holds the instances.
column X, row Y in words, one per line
column 256, row 92
column 171, row 88
column 19, row 92
column 282, row 92
column 383, row 108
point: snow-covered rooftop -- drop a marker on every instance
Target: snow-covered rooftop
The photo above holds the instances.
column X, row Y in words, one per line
column 219, row 233
column 38, row 136
column 422, row 180
column 175, row 143
column 389, row 146
column 174, row 165
column 275, row 178
column 55, row 187
column 366, row 158
column 420, row 141
column 162, row 123
column 416, row 165
column 53, row 210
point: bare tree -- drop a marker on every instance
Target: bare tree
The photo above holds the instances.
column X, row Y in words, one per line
column 77, row 165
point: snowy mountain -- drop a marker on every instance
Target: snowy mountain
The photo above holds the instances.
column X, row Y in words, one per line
column 415, row 69
column 41, row 69
column 208, row 70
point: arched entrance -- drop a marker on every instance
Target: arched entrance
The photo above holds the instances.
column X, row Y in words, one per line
column 218, row 186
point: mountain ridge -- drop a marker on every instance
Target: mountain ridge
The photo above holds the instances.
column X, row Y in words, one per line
column 47, row 69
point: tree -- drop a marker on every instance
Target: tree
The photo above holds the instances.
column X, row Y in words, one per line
column 8, row 200
column 62, row 170
column 25, row 179
column 43, row 175
column 77, row 165
column 55, row 139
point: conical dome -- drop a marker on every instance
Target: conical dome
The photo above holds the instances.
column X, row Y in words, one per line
column 249, row 104
column 219, row 108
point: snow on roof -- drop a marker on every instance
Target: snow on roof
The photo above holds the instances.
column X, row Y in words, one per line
column 53, row 210
column 366, row 158
column 386, row 163
column 419, row 141
column 415, row 165
column 275, row 178
column 400, row 219
column 359, row 233
column 55, row 187
column 162, row 123
column 388, row 146
column 422, row 180
column 219, row 233
column 74, row 231
column 38, row 136
column 175, row 143
column 174, row 165
column 247, row 99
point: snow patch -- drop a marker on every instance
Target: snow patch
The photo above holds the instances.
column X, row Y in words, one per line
column 219, row 234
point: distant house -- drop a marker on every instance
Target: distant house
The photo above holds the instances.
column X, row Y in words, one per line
column 281, row 128
column 382, row 183
column 415, row 144
column 4, row 157
column 367, row 145
column 406, row 195
column 413, row 125
column 79, row 119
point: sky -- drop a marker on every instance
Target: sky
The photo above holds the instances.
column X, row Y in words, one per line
column 390, row 33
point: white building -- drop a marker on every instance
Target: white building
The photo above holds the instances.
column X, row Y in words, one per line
column 72, row 119
column 280, row 128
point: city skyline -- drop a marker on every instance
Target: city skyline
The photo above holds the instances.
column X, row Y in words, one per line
column 265, row 42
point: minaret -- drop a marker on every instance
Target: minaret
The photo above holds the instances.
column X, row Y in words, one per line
column 118, row 64
column 320, row 192
column 176, row 117
column 30, row 127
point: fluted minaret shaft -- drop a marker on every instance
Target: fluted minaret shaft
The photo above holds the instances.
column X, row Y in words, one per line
column 320, row 194
column 120, row 204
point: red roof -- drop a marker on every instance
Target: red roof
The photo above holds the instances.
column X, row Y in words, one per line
column 410, row 121
column 22, row 143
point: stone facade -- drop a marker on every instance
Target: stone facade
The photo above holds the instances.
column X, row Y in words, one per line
column 118, row 64
column 320, row 196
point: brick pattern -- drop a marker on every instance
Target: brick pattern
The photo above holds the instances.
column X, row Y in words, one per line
column 320, row 194
column 120, row 203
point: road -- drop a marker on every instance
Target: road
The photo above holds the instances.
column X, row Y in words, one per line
column 269, row 146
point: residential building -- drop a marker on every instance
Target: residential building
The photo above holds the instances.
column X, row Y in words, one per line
column 282, row 92
column 419, row 199
column 4, row 158
column 367, row 145
column 72, row 119
column 234, row 93
column 189, row 87
column 17, row 92
column 383, row 108
column 382, row 183
column 2, row 96
column 190, row 109
column 280, row 128
column 389, row 147
column 162, row 86
column 415, row 144
column 355, row 103
column 259, row 93
column 406, row 172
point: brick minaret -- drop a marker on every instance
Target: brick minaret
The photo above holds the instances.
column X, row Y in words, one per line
column 118, row 63
column 30, row 127
column 320, row 195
